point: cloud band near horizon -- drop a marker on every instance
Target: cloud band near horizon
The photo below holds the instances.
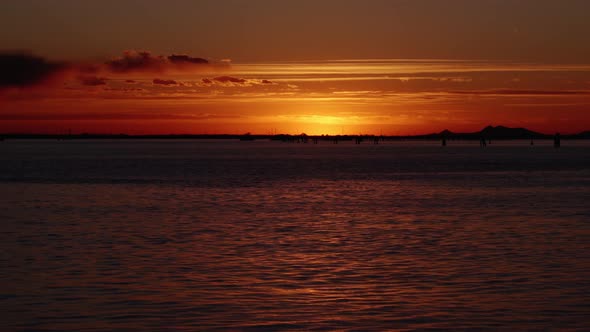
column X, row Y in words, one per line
column 318, row 95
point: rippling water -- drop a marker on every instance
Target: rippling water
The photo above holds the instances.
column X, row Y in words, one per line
column 222, row 235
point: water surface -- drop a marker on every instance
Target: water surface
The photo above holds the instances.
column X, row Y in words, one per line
column 227, row 235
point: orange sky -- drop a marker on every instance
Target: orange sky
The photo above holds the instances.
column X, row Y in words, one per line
column 357, row 84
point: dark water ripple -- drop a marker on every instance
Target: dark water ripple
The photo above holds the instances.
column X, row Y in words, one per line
column 225, row 236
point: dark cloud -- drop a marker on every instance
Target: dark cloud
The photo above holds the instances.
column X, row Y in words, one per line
column 21, row 70
column 92, row 80
column 185, row 59
column 233, row 81
column 144, row 61
column 229, row 79
column 133, row 61
column 164, row 82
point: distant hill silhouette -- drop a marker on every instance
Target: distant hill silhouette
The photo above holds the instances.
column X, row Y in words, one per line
column 582, row 135
column 501, row 132
column 491, row 133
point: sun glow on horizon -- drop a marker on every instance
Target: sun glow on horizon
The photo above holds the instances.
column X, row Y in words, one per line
column 316, row 98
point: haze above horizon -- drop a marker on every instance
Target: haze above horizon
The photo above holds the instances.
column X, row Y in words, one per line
column 329, row 67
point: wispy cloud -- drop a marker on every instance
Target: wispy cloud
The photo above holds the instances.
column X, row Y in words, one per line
column 511, row 92
column 160, row 81
column 229, row 79
column 92, row 80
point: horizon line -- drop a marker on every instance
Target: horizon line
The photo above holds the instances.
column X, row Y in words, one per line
column 444, row 131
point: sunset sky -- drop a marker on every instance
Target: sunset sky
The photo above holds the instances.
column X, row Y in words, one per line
column 315, row 66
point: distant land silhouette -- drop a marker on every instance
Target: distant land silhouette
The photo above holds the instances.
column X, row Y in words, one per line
column 487, row 133
column 499, row 133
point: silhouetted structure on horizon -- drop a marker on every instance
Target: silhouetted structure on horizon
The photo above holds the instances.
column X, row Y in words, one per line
column 482, row 142
column 247, row 137
column 557, row 140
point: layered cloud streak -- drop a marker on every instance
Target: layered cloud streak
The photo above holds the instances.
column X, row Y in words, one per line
column 317, row 96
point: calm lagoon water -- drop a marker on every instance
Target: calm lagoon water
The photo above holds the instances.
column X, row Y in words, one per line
column 227, row 235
